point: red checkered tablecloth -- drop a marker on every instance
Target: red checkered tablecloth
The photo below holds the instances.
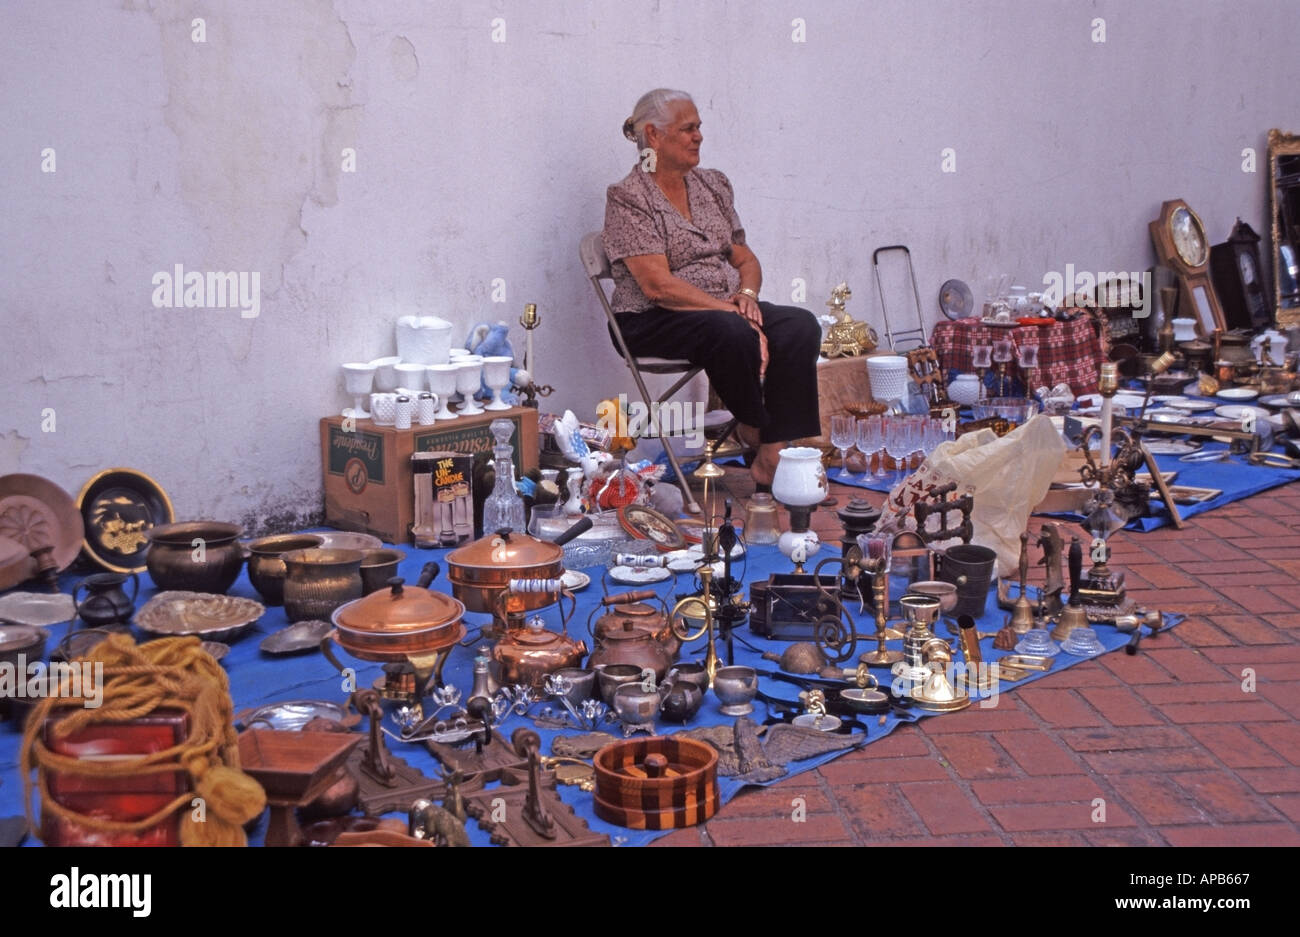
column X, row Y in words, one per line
column 1068, row 352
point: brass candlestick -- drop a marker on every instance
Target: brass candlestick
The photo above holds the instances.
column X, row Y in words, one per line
column 878, row 569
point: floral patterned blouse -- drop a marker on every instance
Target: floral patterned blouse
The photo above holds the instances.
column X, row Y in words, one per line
column 639, row 219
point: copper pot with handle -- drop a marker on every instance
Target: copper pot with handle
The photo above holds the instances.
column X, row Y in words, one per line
column 528, row 654
column 399, row 623
column 480, row 572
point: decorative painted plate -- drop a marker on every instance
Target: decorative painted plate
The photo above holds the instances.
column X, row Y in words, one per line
column 119, row 507
column 645, row 523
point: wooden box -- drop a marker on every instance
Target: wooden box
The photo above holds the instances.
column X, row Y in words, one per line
column 369, row 486
column 122, row 798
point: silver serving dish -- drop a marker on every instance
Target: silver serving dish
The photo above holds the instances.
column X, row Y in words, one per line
column 347, row 540
column 298, row 637
column 291, row 715
column 203, row 614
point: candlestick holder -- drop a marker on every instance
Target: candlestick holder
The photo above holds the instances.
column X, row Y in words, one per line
column 875, row 563
column 981, row 360
column 1002, row 356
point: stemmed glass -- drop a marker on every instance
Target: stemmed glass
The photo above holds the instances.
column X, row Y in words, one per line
column 1002, row 355
column 981, row 360
column 1028, row 360
column 844, row 433
column 870, row 439
column 897, row 444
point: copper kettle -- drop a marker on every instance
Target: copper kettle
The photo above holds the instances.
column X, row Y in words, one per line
column 632, row 632
column 527, row 655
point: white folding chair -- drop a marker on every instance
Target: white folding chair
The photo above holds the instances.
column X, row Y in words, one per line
column 596, row 263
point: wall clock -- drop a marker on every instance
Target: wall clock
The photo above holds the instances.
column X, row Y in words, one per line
column 1181, row 244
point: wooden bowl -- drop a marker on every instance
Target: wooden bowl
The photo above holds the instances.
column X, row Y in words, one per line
column 657, row 783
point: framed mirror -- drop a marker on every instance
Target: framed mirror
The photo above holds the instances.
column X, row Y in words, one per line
column 1284, row 210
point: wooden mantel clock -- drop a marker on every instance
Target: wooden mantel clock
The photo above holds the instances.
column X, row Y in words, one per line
column 1181, row 245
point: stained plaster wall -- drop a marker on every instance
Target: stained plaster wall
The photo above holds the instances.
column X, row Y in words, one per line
column 484, row 135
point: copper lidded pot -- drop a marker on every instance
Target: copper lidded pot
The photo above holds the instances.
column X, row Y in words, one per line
column 481, row 571
column 399, row 622
column 527, row 655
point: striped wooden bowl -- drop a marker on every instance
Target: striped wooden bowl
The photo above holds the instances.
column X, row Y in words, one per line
column 657, row 783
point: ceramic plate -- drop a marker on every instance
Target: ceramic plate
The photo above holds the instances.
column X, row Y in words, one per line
column 955, row 300
column 1235, row 412
column 37, row 513
column 682, row 561
column 1187, row 403
column 36, row 608
column 1281, row 400
column 300, row 636
column 1237, row 393
column 630, row 576
column 1127, row 401
column 575, row 581
column 119, row 507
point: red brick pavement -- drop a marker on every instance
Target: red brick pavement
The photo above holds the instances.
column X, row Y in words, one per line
column 1194, row 741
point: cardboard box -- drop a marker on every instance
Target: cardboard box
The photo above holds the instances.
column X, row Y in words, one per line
column 369, row 486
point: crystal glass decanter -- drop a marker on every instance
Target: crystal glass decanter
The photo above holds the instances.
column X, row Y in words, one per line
column 503, row 507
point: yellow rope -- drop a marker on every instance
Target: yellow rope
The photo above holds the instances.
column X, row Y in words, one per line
column 169, row 673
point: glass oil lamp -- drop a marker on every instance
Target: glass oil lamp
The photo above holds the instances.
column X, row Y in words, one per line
column 799, row 484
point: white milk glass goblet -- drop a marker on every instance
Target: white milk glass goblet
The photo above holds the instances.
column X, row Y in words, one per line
column 358, row 377
column 469, row 379
column 496, row 374
column 442, row 381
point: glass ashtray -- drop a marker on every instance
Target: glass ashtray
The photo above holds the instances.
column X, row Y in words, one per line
column 1083, row 642
column 1039, row 643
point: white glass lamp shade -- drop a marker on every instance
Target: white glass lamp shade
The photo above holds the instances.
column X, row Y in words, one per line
column 800, row 478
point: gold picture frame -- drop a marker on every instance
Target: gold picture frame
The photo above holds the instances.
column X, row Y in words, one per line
column 1280, row 144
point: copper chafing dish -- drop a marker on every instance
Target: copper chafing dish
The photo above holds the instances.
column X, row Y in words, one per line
column 401, row 624
column 480, row 572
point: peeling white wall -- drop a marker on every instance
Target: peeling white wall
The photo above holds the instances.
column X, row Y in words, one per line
column 479, row 159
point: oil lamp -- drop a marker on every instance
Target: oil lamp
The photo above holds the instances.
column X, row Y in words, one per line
column 799, row 484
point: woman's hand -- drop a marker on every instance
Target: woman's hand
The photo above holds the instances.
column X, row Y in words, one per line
column 748, row 307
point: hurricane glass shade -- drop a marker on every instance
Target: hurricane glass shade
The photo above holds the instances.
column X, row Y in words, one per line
column 496, row 374
column 876, row 551
column 469, row 375
column 981, row 356
column 357, row 380
column 800, row 479
column 1028, row 356
column 1002, row 351
column 442, row 381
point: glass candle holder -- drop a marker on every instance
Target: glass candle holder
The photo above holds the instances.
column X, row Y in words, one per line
column 981, row 356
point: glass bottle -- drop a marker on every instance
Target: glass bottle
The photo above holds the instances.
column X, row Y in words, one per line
column 503, row 507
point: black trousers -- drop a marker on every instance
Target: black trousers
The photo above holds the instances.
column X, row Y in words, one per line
column 784, row 405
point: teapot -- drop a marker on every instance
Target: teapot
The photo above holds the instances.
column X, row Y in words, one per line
column 527, row 655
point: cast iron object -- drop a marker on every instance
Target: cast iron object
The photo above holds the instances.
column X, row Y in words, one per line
column 195, row 556
column 106, row 604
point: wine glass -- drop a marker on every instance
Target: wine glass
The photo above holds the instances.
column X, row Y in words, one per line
column 358, row 378
column 469, row 374
column 844, row 433
column 897, row 445
column 870, row 440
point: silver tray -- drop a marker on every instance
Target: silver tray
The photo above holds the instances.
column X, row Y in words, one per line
column 210, row 617
column 298, row 637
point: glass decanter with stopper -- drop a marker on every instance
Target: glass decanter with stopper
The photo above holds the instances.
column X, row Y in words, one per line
column 504, row 508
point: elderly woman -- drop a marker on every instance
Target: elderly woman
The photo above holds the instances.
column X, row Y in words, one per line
column 686, row 285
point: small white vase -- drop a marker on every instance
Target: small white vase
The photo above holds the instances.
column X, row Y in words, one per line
column 964, row 389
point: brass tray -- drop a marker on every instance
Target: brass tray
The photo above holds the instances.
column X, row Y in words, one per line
column 119, row 507
column 211, row 617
